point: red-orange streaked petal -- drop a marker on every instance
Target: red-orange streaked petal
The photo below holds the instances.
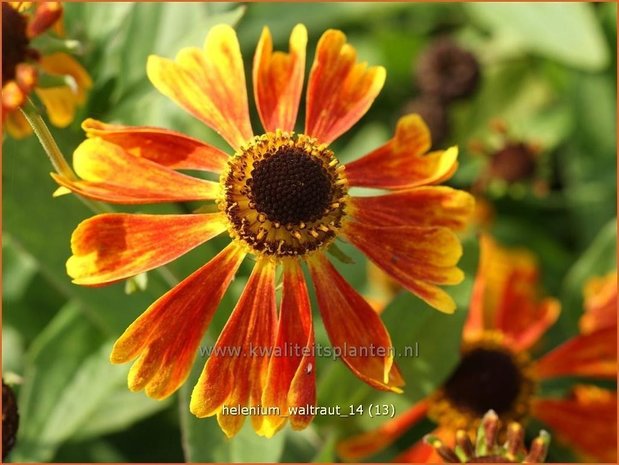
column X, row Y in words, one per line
column 530, row 323
column 46, row 14
column 208, row 83
column 533, row 318
column 291, row 379
column 421, row 206
column 586, row 421
column 508, row 279
column 521, row 291
column 592, row 354
column 420, row 452
column 418, row 258
column 113, row 246
column 401, row 163
column 168, row 148
column 167, row 335
column 278, row 80
column 371, row 442
column 600, row 303
column 475, row 322
column 230, row 379
column 111, row 174
column 352, row 324
column 340, row 90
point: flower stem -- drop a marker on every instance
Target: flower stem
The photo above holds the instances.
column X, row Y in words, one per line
column 46, row 139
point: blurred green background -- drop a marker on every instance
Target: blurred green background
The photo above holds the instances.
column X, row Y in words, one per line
column 547, row 72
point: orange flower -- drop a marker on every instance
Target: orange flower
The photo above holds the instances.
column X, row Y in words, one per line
column 282, row 198
column 506, row 318
column 22, row 66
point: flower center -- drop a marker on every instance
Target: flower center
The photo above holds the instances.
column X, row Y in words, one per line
column 515, row 162
column 485, row 379
column 291, row 187
column 284, row 195
column 489, row 376
column 14, row 41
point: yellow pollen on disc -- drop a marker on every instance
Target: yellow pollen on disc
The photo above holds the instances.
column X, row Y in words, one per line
column 490, row 375
column 284, row 195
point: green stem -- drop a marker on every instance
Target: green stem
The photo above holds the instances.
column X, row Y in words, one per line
column 61, row 166
column 41, row 130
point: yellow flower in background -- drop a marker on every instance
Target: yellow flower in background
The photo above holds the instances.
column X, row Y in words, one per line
column 23, row 67
column 283, row 199
column 496, row 371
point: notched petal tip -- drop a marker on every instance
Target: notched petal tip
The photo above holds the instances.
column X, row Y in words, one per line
column 403, row 162
column 278, row 80
column 209, row 83
column 340, row 90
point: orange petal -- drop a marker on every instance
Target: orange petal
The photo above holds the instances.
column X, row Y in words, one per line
column 372, row 442
column 26, row 76
column 354, row 329
column 520, row 291
column 235, row 373
column 167, row 335
column 587, row 421
column 61, row 102
column 584, row 355
column 508, row 279
column 46, row 14
column 416, row 257
column 208, row 83
column 13, row 97
column 278, row 80
column 475, row 322
column 533, row 318
column 114, row 246
column 421, row 206
column 291, row 379
column 17, row 125
column 168, row 148
column 65, row 65
column 340, row 90
column 600, row 303
column 111, row 174
column 420, row 452
column 401, row 162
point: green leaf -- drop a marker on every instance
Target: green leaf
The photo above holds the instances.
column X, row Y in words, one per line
column 71, row 390
column 565, row 32
column 18, row 270
column 12, row 351
column 51, row 362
